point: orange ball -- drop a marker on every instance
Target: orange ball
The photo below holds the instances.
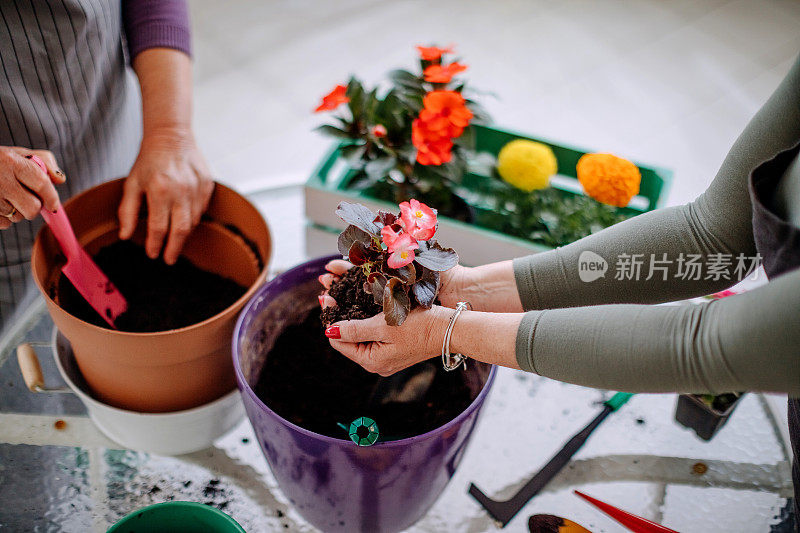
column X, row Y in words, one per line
column 609, row 179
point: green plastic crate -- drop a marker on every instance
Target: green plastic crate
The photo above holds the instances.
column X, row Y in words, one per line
column 332, row 178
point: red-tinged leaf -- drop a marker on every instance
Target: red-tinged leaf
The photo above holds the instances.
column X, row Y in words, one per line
column 350, row 235
column 358, row 254
column 385, row 219
column 359, row 216
column 406, row 274
column 396, row 303
column 434, row 257
column 378, row 287
column 426, row 288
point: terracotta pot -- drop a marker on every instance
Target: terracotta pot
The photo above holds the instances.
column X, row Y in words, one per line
column 169, row 370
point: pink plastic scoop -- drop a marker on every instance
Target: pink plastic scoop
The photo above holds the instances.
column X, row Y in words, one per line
column 80, row 269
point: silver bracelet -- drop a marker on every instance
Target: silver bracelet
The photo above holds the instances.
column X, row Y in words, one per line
column 451, row 361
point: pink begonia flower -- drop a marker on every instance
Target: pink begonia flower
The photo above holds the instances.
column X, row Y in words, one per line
column 389, row 236
column 419, row 219
column 402, row 251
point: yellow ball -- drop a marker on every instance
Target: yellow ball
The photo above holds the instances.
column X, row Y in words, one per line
column 526, row 164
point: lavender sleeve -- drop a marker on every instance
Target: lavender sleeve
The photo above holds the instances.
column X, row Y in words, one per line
column 156, row 24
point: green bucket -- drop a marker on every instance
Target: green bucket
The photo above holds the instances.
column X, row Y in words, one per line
column 177, row 517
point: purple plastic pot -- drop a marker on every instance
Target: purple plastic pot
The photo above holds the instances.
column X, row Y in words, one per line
column 334, row 484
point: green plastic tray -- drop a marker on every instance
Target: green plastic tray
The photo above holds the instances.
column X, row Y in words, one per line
column 333, row 174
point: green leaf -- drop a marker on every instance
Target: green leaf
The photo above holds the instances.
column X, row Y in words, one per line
column 353, row 154
column 333, row 131
column 396, row 303
column 359, row 216
column 378, row 168
column 355, row 92
column 467, row 139
column 405, row 79
column 480, row 115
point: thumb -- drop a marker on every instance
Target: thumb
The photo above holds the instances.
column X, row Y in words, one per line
column 368, row 330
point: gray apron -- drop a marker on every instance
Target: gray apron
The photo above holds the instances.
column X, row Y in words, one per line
column 64, row 87
column 778, row 242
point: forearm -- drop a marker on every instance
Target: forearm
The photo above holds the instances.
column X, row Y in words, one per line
column 491, row 288
column 744, row 342
column 665, row 238
column 487, row 337
column 165, row 77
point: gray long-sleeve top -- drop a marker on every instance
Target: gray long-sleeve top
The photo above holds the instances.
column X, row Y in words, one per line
column 599, row 334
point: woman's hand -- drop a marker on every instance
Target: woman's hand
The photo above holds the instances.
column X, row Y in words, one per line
column 385, row 349
column 171, row 174
column 24, row 188
column 452, row 282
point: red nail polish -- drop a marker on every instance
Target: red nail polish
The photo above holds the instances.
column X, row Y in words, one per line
column 321, row 299
column 333, row 332
column 320, row 278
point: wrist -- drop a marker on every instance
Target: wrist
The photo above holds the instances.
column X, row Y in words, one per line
column 438, row 325
column 172, row 137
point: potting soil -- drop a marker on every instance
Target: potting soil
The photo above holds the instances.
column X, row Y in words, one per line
column 160, row 296
column 307, row 382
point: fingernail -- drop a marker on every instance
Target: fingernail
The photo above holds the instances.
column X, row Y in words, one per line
column 319, row 278
column 321, row 299
column 333, row 332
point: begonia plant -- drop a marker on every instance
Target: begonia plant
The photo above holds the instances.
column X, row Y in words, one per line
column 399, row 256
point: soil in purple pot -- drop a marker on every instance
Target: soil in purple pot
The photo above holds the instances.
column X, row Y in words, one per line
column 307, row 382
column 160, row 296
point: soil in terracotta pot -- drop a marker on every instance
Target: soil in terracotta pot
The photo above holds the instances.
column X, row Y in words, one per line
column 160, row 296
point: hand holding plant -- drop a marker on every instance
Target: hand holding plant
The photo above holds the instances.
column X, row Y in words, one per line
column 397, row 256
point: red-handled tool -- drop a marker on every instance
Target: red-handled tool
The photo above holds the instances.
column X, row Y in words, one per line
column 80, row 269
column 637, row 524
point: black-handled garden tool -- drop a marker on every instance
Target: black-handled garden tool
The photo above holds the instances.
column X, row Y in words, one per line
column 504, row 511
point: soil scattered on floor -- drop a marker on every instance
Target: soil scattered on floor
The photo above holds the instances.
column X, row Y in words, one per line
column 160, row 296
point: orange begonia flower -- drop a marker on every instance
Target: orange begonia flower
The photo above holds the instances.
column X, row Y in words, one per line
column 433, row 53
column 435, row 153
column 333, row 99
column 443, row 118
column 609, row 179
column 449, row 104
column 443, row 73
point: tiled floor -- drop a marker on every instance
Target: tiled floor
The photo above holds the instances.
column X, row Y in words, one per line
column 665, row 82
